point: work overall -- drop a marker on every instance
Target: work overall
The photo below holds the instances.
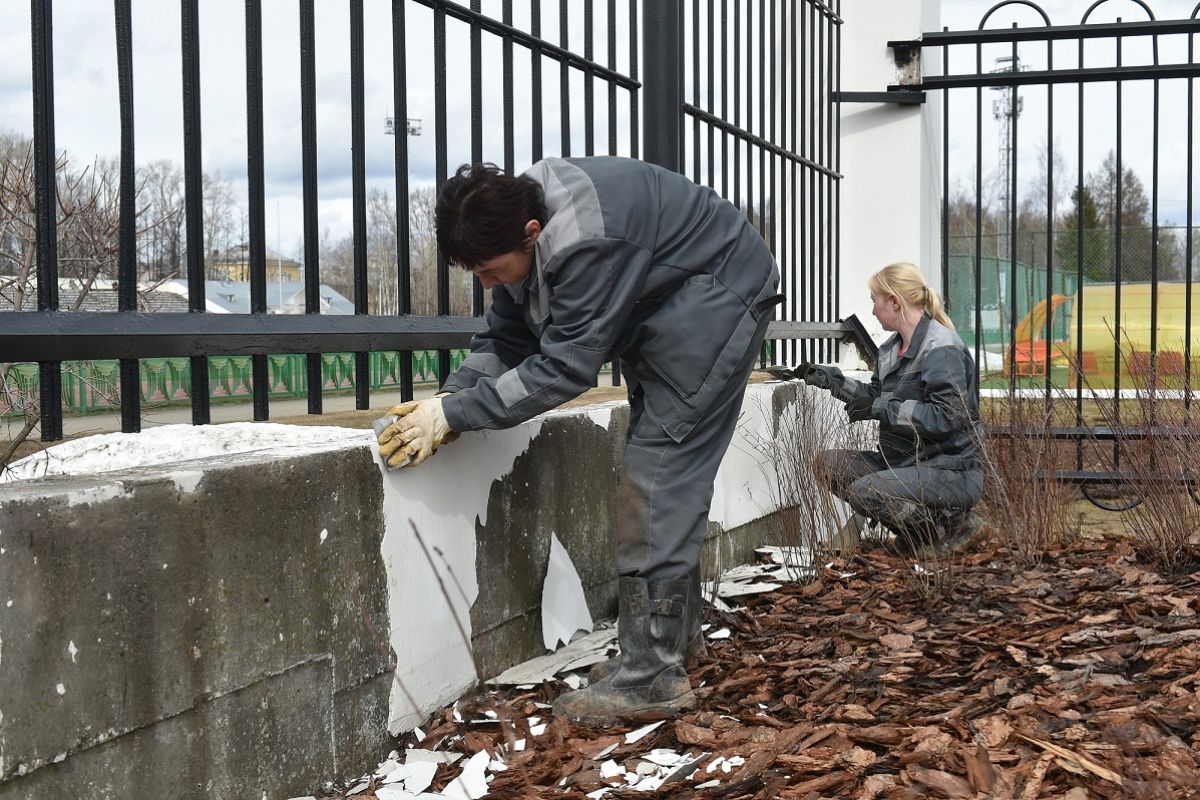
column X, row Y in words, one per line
column 929, row 435
column 637, row 263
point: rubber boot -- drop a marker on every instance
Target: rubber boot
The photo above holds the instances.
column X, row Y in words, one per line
column 956, row 529
column 650, row 681
column 697, row 648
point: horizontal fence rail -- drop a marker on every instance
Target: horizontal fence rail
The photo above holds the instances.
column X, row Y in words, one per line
column 753, row 80
column 1064, row 276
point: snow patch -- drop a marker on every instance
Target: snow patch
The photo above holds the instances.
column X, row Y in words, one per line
column 169, row 445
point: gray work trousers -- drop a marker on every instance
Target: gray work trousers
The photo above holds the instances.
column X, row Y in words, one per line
column 667, row 486
column 886, row 494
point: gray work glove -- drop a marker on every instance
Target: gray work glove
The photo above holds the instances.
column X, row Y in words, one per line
column 828, row 378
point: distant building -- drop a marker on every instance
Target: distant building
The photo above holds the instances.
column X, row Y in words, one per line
column 233, row 297
column 100, row 295
column 234, row 265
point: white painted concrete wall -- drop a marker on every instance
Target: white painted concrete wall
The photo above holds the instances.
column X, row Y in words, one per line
column 444, row 497
column 890, row 155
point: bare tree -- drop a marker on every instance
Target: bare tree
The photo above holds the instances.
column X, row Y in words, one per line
column 221, row 216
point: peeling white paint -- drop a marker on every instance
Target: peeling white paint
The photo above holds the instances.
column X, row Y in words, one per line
column 442, row 498
column 60, row 689
column 73, row 650
column 324, row 533
column 745, row 488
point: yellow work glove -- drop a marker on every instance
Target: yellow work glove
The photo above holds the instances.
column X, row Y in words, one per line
column 419, row 430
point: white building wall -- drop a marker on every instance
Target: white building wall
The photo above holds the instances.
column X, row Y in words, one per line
column 890, row 154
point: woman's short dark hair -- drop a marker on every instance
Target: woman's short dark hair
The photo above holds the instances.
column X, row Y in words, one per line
column 481, row 213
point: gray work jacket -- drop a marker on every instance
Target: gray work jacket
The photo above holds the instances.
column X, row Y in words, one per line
column 634, row 262
column 925, row 400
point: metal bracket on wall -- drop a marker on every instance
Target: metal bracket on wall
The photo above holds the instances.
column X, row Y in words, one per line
column 902, row 97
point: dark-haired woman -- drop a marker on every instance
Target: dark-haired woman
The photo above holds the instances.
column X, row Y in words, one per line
column 588, row 260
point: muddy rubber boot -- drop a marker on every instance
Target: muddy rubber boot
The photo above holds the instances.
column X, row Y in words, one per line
column 650, row 681
column 957, row 529
column 910, row 523
column 697, row 647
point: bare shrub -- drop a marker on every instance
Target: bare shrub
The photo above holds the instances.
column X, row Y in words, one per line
column 811, row 521
column 1156, row 439
column 1022, row 502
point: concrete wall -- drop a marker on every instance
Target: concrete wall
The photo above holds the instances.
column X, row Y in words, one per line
column 891, row 154
column 254, row 624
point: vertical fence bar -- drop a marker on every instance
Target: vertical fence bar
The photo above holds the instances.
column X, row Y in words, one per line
column 1117, row 269
column 773, row 61
column 663, row 89
column 1012, row 212
column 193, row 194
column 564, row 81
column 1188, row 246
column 506, row 54
column 403, row 259
column 1079, row 223
column 945, row 226
column 477, row 130
column 535, row 78
column 256, row 195
column 1050, row 211
column 308, row 159
column 834, row 299
column 710, row 106
column 358, row 168
column 828, row 350
column 635, row 138
column 441, row 166
column 978, row 270
column 813, row 277
column 725, row 99
column 791, row 287
column 762, row 123
column 131, row 387
column 1154, row 241
column 696, row 90
column 736, row 197
column 612, row 87
column 589, row 81
column 46, row 191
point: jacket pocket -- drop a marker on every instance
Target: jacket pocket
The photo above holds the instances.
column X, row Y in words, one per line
column 684, row 340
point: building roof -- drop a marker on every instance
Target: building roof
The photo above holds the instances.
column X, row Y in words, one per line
column 233, row 297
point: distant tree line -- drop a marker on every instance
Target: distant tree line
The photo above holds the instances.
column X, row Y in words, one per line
column 1086, row 216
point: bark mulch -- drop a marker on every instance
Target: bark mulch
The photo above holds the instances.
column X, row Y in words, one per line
column 1078, row 678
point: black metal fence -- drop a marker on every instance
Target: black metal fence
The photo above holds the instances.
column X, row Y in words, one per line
column 1115, row 105
column 753, row 79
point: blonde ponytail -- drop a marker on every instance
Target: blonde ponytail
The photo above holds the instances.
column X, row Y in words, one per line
column 907, row 283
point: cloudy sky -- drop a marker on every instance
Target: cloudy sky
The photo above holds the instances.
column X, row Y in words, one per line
column 1099, row 121
column 87, row 121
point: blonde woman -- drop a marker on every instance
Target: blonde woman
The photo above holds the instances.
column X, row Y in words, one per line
column 925, row 476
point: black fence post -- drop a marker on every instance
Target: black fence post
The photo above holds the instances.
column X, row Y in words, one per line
column 662, row 94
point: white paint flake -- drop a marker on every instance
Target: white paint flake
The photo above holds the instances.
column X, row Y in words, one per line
column 564, row 607
column 73, row 650
column 324, row 534
column 60, row 689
